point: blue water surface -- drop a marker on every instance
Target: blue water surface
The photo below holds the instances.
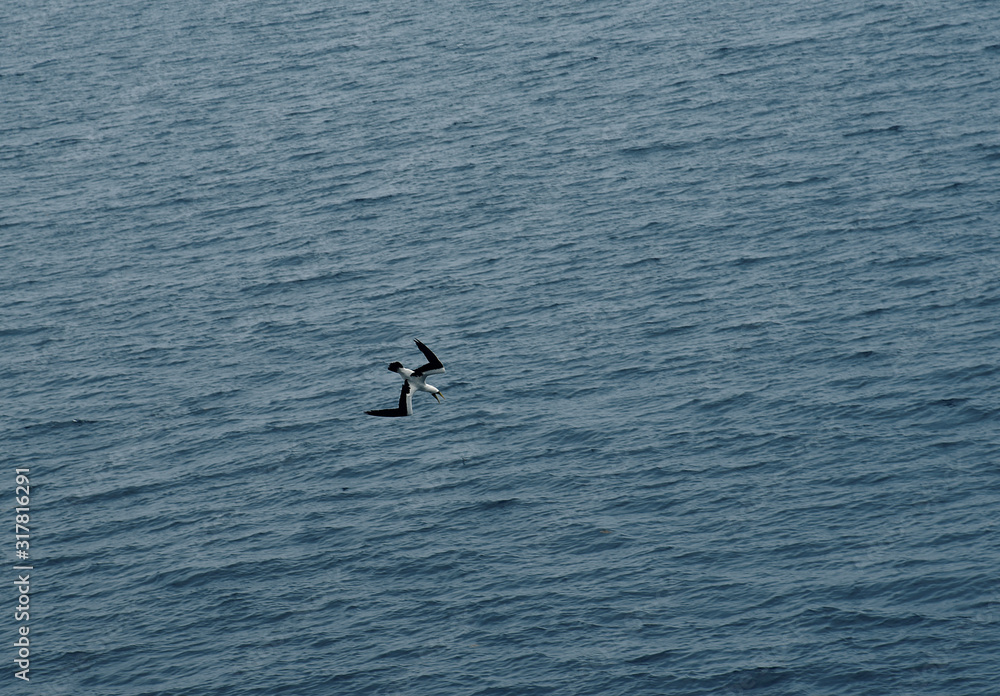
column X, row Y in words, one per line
column 716, row 285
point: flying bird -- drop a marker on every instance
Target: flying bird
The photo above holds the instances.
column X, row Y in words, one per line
column 413, row 380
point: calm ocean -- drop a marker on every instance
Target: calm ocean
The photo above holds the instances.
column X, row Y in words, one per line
column 716, row 285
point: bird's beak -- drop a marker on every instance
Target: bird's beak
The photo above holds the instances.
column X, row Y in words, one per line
column 435, row 394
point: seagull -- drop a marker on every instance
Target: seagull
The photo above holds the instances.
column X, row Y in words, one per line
column 413, row 380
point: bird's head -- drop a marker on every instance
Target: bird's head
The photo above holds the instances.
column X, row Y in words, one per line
column 395, row 367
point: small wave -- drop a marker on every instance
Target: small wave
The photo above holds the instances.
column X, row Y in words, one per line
column 875, row 131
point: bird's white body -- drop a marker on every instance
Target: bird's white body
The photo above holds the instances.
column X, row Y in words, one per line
column 417, row 382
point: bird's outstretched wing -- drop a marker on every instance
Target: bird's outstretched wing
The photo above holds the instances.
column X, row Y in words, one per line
column 433, row 366
column 405, row 407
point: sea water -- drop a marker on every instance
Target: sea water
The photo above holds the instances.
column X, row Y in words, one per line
column 716, row 285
